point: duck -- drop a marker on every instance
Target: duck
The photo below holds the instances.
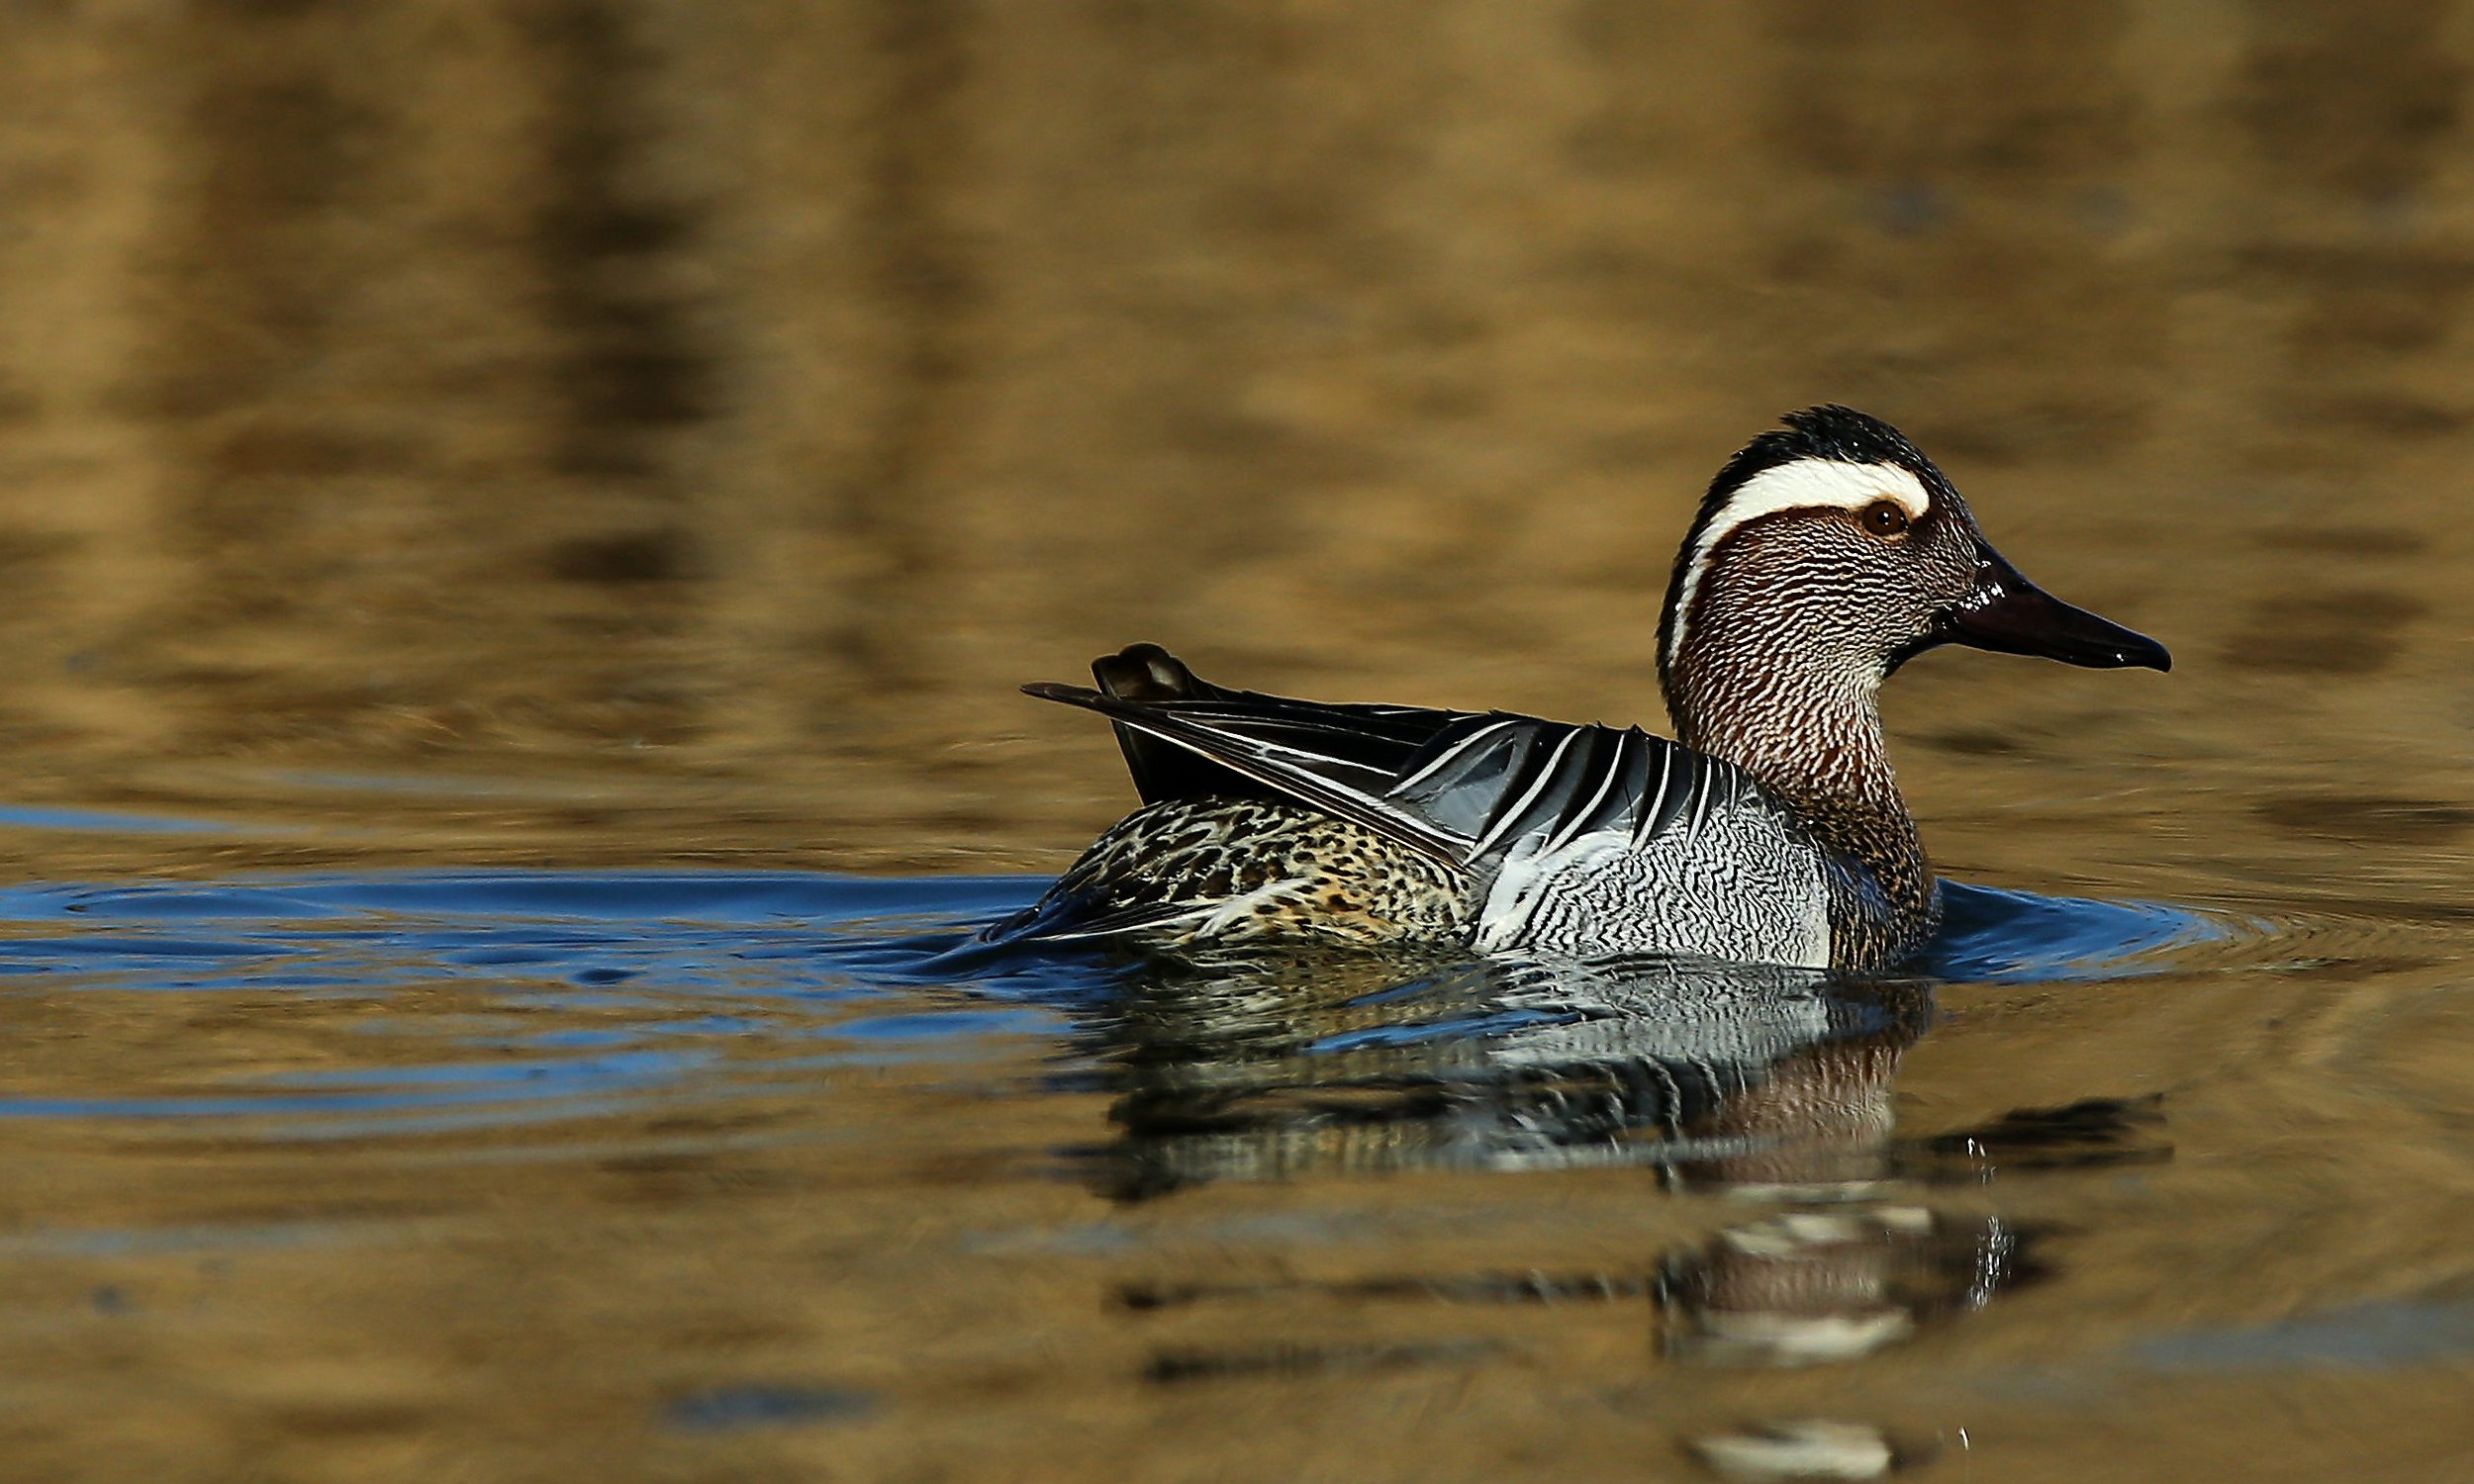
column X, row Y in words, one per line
column 1828, row 552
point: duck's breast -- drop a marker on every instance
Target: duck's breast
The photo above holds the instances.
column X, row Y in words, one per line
column 1744, row 882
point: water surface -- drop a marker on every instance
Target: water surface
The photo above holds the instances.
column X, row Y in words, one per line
column 521, row 525
column 763, row 1166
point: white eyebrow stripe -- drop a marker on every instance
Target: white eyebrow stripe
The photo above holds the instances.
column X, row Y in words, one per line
column 1799, row 486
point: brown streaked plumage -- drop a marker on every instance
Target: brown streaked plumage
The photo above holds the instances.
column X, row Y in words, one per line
column 1240, row 871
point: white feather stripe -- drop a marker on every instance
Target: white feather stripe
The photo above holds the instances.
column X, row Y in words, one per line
column 1648, row 813
column 1806, row 484
column 1576, row 819
column 1264, row 746
column 1271, row 755
column 1702, row 797
column 1449, row 754
column 1511, row 813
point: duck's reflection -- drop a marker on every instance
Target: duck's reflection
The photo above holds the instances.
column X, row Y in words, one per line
column 1764, row 1082
column 1717, row 1075
column 1806, row 1287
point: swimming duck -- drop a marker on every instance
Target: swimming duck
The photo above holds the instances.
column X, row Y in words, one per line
column 1828, row 552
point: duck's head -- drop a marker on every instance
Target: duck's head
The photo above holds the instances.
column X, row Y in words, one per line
column 1832, row 551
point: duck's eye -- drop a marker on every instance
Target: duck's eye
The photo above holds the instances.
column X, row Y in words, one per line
column 1885, row 517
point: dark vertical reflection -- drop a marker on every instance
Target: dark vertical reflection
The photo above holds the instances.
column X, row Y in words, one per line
column 272, row 423
column 634, row 372
column 283, row 158
column 2347, row 117
column 631, row 373
column 2356, row 103
column 916, row 265
column 425, row 369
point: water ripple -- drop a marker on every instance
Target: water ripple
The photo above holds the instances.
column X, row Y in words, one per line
column 506, row 997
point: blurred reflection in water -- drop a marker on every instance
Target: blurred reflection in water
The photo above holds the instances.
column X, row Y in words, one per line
column 1771, row 1084
column 1263, row 1067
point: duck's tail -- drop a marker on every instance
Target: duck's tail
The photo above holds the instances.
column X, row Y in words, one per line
column 1145, row 673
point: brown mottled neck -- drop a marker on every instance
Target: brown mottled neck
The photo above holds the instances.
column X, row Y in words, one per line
column 1805, row 719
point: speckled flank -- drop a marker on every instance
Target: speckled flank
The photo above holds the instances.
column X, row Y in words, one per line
column 1229, row 871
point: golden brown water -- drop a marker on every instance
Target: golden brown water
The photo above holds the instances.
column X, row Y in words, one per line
column 506, row 508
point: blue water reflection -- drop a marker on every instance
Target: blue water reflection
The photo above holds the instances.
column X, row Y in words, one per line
column 575, row 993
column 1992, row 936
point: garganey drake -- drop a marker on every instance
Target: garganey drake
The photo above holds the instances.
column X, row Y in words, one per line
column 1828, row 553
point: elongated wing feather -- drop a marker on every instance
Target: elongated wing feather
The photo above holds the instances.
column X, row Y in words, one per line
column 1150, row 674
column 1507, row 785
column 1338, row 758
column 1465, row 787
